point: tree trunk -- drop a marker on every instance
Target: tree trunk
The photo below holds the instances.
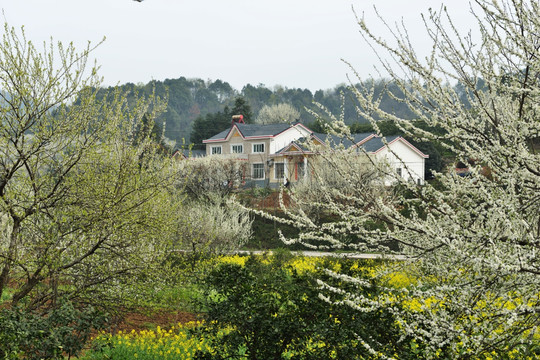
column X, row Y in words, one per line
column 25, row 290
column 11, row 255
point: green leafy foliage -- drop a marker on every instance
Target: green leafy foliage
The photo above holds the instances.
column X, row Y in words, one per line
column 59, row 332
column 265, row 233
column 272, row 310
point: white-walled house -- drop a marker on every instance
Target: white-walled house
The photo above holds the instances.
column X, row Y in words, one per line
column 276, row 153
column 405, row 159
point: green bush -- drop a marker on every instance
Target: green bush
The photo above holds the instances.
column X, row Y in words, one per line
column 272, row 312
column 265, row 233
column 60, row 332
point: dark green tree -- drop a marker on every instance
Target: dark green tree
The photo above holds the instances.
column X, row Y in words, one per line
column 317, row 126
column 223, row 90
column 258, row 96
column 205, row 127
column 241, row 107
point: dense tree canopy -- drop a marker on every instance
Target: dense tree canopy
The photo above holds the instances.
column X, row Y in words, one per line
column 279, row 113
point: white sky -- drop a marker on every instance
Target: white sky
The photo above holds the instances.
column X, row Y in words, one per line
column 294, row 43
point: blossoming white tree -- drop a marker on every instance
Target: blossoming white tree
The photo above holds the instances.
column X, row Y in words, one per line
column 212, row 225
column 204, row 176
column 472, row 241
column 84, row 197
column 279, row 113
column 208, row 223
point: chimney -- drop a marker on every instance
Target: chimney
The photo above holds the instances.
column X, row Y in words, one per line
column 237, row 119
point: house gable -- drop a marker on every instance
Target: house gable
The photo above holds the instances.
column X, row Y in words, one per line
column 288, row 136
column 293, row 148
column 399, row 145
column 235, row 133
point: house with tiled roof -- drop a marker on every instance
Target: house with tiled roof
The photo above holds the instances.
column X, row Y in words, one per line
column 257, row 145
column 278, row 153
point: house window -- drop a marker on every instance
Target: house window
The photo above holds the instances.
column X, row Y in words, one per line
column 399, row 171
column 237, row 149
column 258, row 148
column 258, row 171
column 215, row 150
column 279, row 169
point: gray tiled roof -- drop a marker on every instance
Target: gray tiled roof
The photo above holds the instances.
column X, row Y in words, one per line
column 262, row 130
column 249, row 130
column 376, row 143
column 372, row 145
column 219, row 136
column 336, row 140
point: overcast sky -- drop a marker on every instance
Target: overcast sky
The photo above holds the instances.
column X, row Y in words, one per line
column 293, row 43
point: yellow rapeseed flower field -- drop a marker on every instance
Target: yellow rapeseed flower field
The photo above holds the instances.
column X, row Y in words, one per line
column 174, row 343
column 179, row 342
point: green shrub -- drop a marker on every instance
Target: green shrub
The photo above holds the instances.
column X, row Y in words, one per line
column 274, row 312
column 265, row 233
column 59, row 332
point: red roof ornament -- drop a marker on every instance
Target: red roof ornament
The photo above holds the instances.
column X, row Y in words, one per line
column 238, row 119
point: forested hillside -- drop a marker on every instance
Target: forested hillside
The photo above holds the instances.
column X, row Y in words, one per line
column 189, row 99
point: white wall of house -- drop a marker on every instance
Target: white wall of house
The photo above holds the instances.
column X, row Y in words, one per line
column 281, row 140
column 402, row 156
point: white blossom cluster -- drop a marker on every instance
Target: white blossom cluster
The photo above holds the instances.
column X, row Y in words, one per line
column 472, row 241
column 278, row 113
column 211, row 174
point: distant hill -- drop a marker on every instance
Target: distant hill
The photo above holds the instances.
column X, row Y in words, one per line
column 191, row 98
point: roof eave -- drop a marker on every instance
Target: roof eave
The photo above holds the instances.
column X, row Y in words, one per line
column 365, row 140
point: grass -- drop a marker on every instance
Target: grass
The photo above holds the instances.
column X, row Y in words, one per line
column 178, row 297
column 265, row 234
column 6, row 294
